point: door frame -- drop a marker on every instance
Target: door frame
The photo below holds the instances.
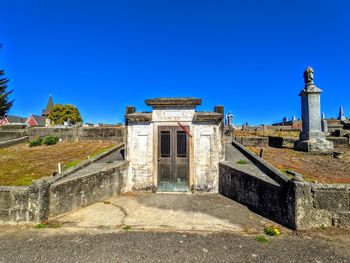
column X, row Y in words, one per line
column 173, row 152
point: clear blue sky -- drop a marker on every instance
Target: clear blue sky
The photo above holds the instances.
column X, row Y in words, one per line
column 246, row 55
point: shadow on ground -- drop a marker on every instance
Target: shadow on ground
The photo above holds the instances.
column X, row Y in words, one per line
column 179, row 212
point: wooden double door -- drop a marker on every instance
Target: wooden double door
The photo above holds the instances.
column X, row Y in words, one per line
column 173, row 159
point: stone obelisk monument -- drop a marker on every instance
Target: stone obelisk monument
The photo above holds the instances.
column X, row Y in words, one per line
column 312, row 138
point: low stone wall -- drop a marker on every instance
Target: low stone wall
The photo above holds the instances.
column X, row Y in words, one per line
column 10, row 134
column 102, row 133
column 272, row 141
column 253, row 141
column 294, row 203
column 268, row 199
column 281, row 142
column 9, row 143
column 31, row 204
column 80, row 133
column 65, row 133
column 322, row 205
column 24, row 204
column 339, row 141
column 72, row 193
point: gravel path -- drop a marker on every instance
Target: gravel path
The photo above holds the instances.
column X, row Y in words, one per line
column 51, row 245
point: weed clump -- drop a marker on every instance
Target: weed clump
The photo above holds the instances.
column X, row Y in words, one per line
column 50, row 140
column 262, row 239
column 272, row 230
column 47, row 140
column 36, row 142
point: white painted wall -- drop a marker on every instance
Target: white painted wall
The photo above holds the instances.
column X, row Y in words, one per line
column 207, row 149
column 140, row 156
column 208, row 152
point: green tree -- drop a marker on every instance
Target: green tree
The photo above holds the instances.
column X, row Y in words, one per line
column 60, row 113
column 5, row 104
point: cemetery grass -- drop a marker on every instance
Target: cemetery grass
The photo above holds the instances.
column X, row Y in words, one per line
column 21, row 164
column 314, row 168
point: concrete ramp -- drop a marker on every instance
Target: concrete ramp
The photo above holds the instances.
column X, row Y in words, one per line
column 167, row 212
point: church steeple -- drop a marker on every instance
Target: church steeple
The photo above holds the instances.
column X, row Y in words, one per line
column 48, row 107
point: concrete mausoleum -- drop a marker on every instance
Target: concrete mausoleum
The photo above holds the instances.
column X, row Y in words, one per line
column 174, row 148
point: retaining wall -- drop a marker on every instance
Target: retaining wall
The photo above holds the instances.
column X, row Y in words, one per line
column 253, row 141
column 339, row 141
column 72, row 193
column 268, row 199
column 10, row 134
column 273, row 141
column 32, row 204
column 9, row 143
column 80, row 133
column 294, row 203
column 319, row 205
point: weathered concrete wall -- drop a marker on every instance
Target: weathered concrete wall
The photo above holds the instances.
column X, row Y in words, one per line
column 31, row 204
column 280, row 142
column 320, row 205
column 294, row 203
column 208, row 152
column 339, row 141
column 270, row 200
column 205, row 150
column 9, row 143
column 80, row 133
column 76, row 192
column 24, row 204
column 273, row 141
column 102, row 133
column 253, row 141
column 10, row 134
column 65, row 133
column 140, row 156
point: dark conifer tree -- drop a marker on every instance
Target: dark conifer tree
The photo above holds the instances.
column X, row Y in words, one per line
column 5, row 104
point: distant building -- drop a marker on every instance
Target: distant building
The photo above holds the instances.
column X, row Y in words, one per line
column 12, row 120
column 294, row 123
column 36, row 120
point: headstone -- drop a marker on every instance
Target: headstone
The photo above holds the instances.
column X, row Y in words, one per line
column 324, row 125
column 341, row 116
column 312, row 138
column 229, row 119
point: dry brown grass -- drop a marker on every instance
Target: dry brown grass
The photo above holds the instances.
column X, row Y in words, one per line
column 20, row 164
column 267, row 133
column 315, row 168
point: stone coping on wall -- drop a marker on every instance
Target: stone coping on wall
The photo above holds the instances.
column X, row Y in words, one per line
column 139, row 117
column 173, row 102
column 264, row 166
column 202, row 116
column 9, row 143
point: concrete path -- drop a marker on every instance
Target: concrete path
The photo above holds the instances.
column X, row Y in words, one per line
column 179, row 212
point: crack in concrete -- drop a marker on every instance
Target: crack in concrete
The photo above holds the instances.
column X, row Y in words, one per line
column 122, row 209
